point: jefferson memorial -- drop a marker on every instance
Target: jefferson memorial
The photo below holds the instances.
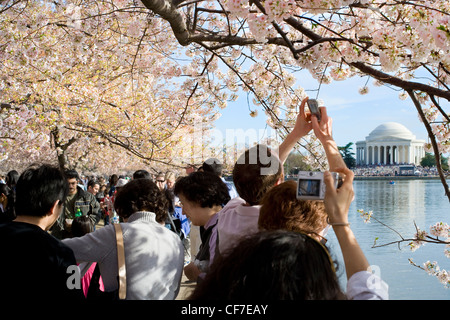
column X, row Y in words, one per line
column 390, row 143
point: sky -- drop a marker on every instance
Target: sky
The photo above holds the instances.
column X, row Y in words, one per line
column 354, row 115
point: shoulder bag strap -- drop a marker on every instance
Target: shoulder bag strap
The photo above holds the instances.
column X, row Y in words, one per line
column 121, row 262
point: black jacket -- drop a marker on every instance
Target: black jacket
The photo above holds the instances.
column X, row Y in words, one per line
column 88, row 205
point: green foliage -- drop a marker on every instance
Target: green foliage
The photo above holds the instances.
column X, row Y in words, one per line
column 430, row 161
column 348, row 155
column 294, row 163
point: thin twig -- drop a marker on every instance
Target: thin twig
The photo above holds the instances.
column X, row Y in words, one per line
column 433, row 141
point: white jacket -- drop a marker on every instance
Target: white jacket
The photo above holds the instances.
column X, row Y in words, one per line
column 154, row 257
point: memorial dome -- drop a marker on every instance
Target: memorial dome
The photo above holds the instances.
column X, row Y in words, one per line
column 390, row 131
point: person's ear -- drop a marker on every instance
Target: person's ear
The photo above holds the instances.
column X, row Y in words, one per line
column 52, row 215
column 56, row 207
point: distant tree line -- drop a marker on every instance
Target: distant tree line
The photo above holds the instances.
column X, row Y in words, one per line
column 430, row 161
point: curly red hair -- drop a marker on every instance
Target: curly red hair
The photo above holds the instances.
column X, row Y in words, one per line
column 282, row 210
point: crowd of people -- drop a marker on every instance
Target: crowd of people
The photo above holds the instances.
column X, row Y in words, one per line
column 256, row 239
column 382, row 170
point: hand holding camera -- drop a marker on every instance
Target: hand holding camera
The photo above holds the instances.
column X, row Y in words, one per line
column 323, row 132
column 318, row 119
column 311, row 185
column 321, row 123
column 337, row 201
column 313, row 106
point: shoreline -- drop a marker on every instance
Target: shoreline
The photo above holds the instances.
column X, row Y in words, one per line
column 397, row 178
column 388, row 178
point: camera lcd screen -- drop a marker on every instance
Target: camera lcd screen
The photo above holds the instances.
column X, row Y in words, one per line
column 309, row 187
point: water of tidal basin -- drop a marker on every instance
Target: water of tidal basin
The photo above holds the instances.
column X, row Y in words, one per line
column 399, row 206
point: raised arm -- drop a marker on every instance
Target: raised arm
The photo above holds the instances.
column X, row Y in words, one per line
column 323, row 131
column 302, row 128
column 337, row 203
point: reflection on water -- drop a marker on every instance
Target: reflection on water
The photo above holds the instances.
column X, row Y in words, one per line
column 399, row 205
column 392, row 203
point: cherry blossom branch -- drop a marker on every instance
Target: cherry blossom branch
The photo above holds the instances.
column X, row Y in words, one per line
column 129, row 147
column 60, row 147
column 432, row 137
column 277, row 27
column 183, row 36
column 420, row 236
column 438, row 106
column 10, row 6
column 427, row 239
column 438, row 230
column 269, row 110
column 436, row 77
column 405, row 85
column 168, row 11
column 416, row 4
column 377, row 74
column 411, row 262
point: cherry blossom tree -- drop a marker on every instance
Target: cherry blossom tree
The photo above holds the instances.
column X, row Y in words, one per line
column 202, row 54
column 103, row 83
column 75, row 83
column 401, row 44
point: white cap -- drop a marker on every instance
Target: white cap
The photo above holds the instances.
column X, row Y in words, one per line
column 121, row 182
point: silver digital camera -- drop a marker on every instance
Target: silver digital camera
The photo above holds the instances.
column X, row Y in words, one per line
column 310, row 185
column 313, row 106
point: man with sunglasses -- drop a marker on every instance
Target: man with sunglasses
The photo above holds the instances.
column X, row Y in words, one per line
column 161, row 181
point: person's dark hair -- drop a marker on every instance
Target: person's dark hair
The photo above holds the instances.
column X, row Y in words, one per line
column 37, row 189
column 71, row 174
column 272, row 265
column 82, row 225
column 282, row 210
column 113, row 180
column 204, row 188
column 170, row 196
column 212, row 165
column 9, row 211
column 11, row 178
column 141, row 174
column 4, row 189
column 92, row 183
column 141, row 195
column 255, row 172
